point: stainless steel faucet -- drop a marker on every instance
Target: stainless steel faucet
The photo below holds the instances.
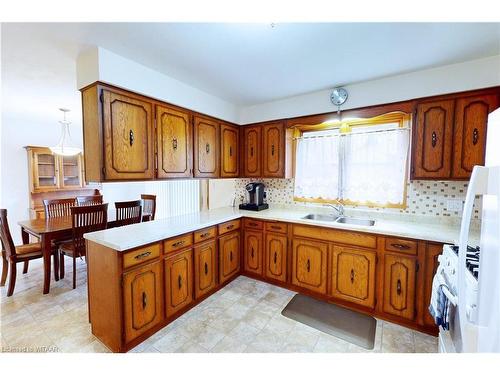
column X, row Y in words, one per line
column 339, row 208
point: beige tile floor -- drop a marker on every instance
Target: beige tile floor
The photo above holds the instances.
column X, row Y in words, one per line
column 242, row 317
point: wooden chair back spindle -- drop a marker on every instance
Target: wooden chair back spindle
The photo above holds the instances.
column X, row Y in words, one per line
column 89, row 200
column 58, row 207
column 128, row 213
column 5, row 236
column 86, row 219
column 149, row 205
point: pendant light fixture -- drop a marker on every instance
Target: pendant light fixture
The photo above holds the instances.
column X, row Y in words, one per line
column 65, row 147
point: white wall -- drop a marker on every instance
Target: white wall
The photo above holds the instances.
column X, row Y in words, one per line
column 221, row 192
column 447, row 79
column 99, row 64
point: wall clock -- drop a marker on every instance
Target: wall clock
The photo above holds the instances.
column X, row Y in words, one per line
column 338, row 96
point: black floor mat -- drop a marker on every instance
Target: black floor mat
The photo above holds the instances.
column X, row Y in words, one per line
column 338, row 321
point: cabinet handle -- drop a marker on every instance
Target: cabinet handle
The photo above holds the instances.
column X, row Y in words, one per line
column 230, row 256
column 251, row 152
column 144, row 300
column 230, row 151
column 252, row 224
column 143, row 255
column 400, row 246
column 352, row 276
column 131, row 137
column 174, row 143
column 207, row 148
column 179, row 281
column 251, row 254
column 230, row 226
column 433, row 139
column 398, row 287
column 475, row 136
column 308, row 265
column 275, row 257
column 275, row 227
column 206, row 268
column 272, row 150
column 204, row 234
column 178, row 243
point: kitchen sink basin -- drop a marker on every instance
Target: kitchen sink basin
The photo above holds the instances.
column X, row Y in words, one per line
column 340, row 219
column 352, row 220
column 321, row 217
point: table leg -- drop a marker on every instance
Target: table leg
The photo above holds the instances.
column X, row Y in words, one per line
column 26, row 239
column 46, row 250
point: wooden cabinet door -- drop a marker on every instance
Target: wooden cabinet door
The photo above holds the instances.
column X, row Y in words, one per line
column 276, row 256
column 229, row 256
column 71, row 172
column 431, row 265
column 205, row 268
column 252, row 161
column 206, row 147
column 252, row 251
column 44, row 167
column 353, row 275
column 433, row 140
column 229, row 151
column 309, row 266
column 128, row 137
column 178, row 281
column 174, row 131
column 471, row 118
column 143, row 300
column 399, row 285
column 273, row 150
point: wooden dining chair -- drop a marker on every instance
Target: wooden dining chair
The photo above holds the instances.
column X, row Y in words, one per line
column 89, row 200
column 58, row 207
column 84, row 219
column 128, row 213
column 17, row 254
column 149, row 206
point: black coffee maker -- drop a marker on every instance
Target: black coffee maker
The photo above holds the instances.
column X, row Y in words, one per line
column 256, row 194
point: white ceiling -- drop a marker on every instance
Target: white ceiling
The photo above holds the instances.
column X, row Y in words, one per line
column 248, row 64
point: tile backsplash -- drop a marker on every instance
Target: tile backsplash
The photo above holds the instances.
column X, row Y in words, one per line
column 424, row 198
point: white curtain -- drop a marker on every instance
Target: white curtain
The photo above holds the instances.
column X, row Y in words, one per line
column 375, row 167
column 317, row 168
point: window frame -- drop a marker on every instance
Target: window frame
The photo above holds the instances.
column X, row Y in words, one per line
column 403, row 119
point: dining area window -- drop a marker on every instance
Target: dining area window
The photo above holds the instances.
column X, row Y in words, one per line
column 359, row 162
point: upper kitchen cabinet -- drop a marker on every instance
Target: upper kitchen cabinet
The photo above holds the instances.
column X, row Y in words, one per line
column 471, row 118
column 450, row 135
column 433, row 140
column 206, row 147
column 174, row 140
column 267, row 150
column 118, row 135
column 230, row 136
column 252, row 151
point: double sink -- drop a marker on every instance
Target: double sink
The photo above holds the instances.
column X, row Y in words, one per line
column 340, row 219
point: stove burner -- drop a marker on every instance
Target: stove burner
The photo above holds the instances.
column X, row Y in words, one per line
column 471, row 259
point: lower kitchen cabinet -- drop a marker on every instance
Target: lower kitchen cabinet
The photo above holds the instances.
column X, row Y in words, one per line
column 399, row 285
column 143, row 300
column 205, row 268
column 275, row 256
column 431, row 264
column 178, row 281
column 252, row 252
column 353, row 275
column 229, row 256
column 309, row 265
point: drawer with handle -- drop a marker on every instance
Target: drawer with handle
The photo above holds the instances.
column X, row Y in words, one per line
column 406, row 246
column 141, row 255
column 253, row 224
column 229, row 226
column 204, row 234
column 276, row 227
column 176, row 243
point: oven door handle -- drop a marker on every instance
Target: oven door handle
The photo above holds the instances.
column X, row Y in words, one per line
column 446, row 290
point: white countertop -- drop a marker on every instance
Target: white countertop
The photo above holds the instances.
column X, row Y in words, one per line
column 131, row 236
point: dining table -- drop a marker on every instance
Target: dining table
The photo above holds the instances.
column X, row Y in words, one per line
column 49, row 230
